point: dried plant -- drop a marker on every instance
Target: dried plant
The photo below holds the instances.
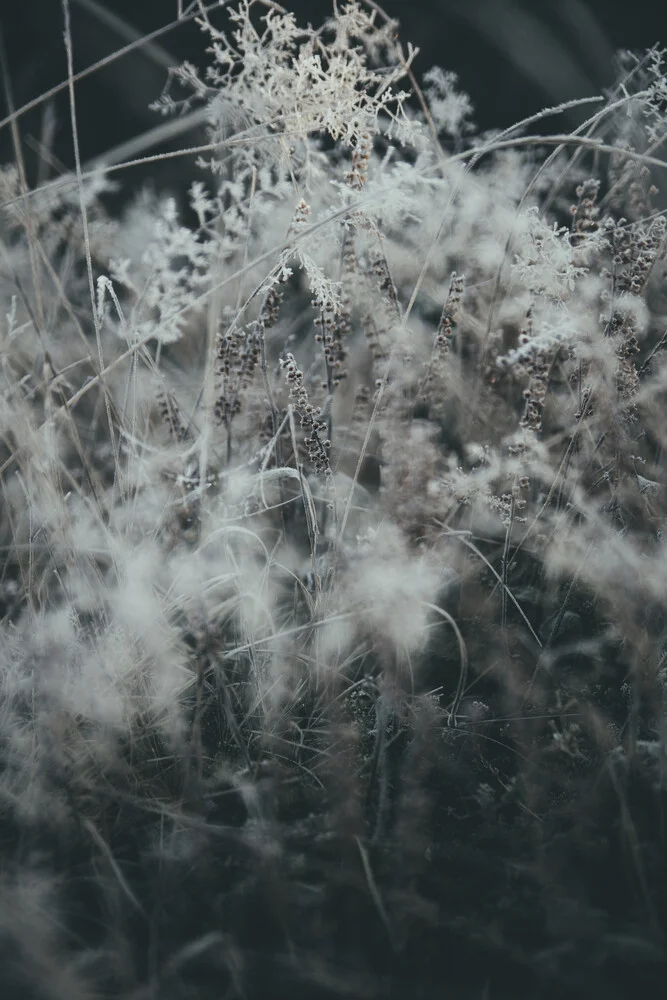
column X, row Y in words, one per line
column 333, row 638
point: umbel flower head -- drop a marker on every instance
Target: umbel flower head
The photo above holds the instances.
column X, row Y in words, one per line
column 301, row 81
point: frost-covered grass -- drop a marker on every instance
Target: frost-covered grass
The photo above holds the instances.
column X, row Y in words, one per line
column 333, row 650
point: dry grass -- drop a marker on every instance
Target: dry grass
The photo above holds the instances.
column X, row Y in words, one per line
column 332, row 653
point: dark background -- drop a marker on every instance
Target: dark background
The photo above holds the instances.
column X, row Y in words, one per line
column 513, row 57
